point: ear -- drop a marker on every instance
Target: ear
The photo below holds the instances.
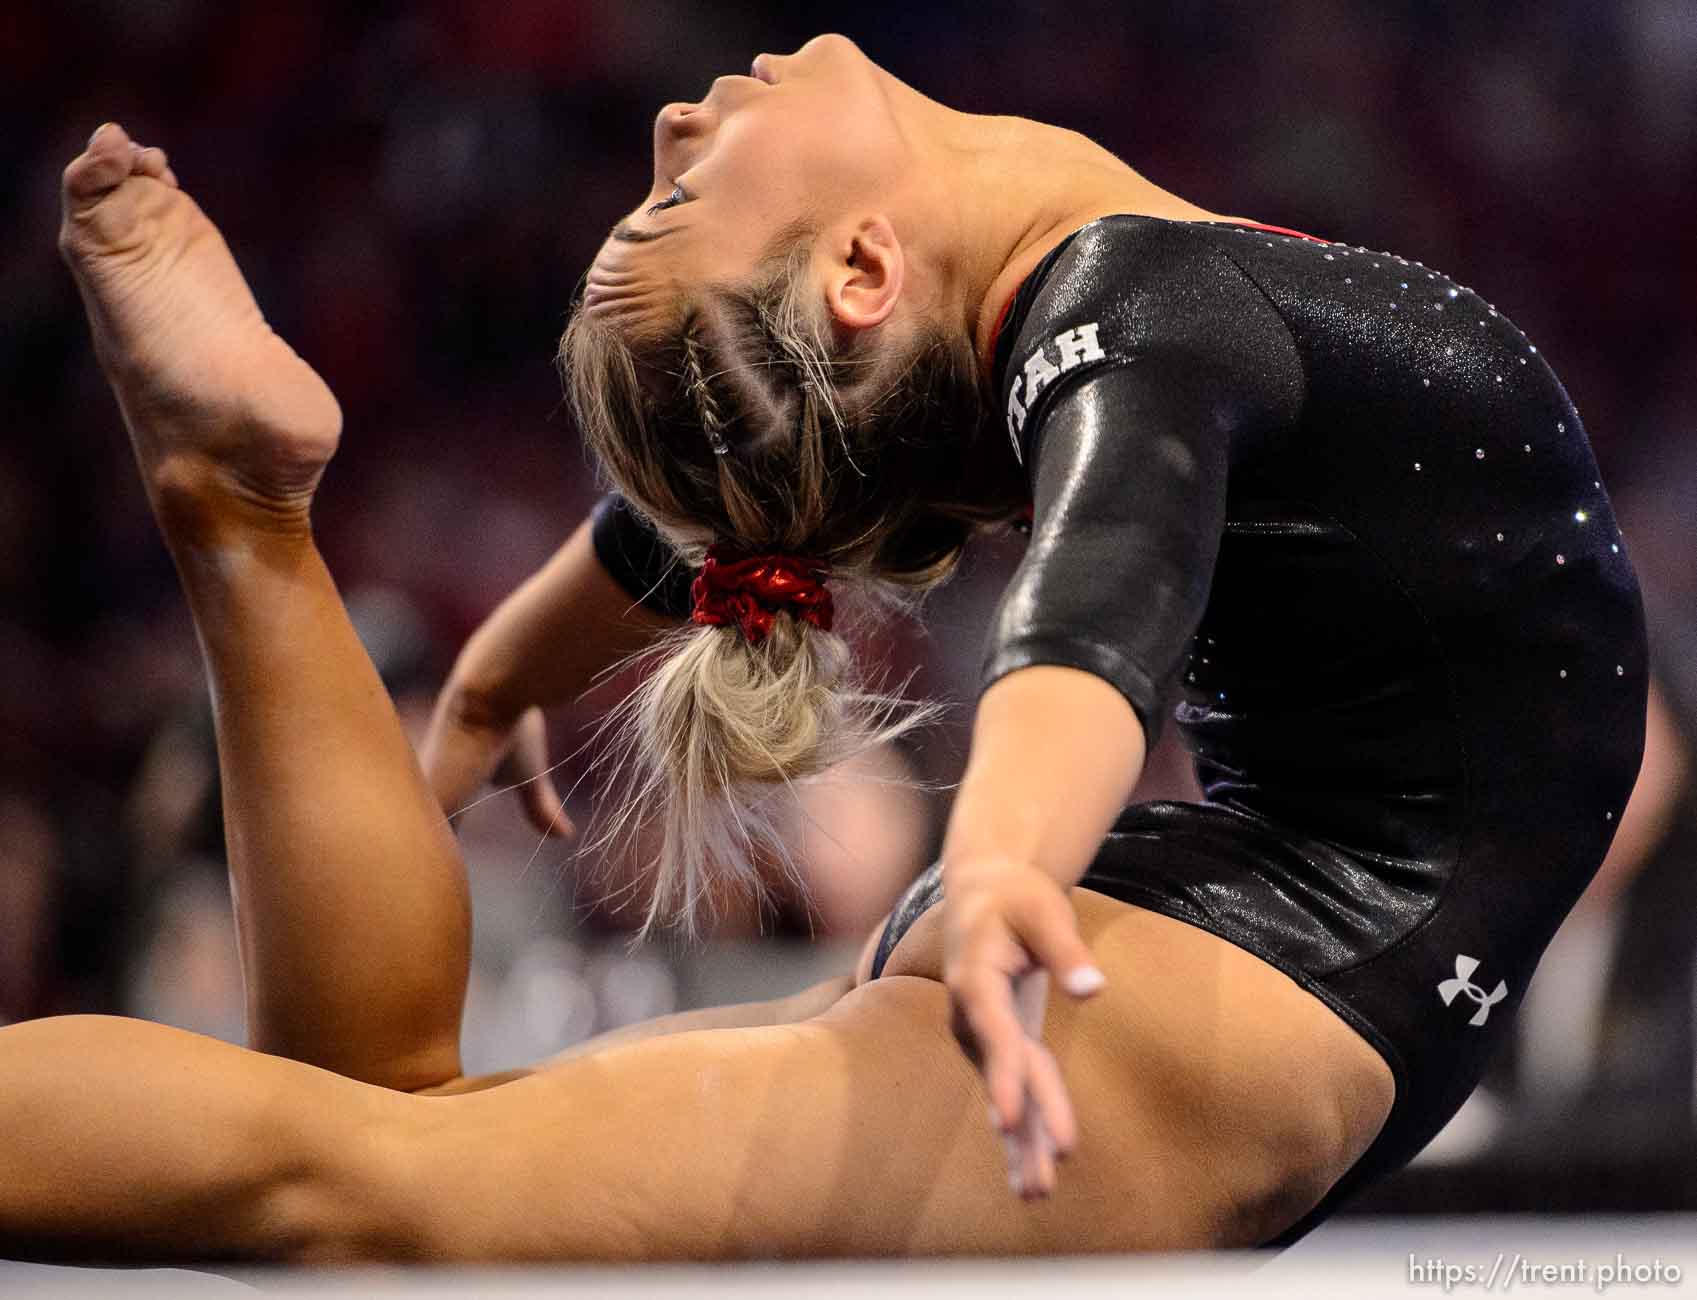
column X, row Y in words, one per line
column 864, row 276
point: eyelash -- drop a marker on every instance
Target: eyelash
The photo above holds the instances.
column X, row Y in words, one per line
column 676, row 197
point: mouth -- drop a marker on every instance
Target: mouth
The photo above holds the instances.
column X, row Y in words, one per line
column 762, row 70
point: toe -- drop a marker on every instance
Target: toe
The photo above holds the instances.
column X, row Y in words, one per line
column 109, row 158
column 151, row 162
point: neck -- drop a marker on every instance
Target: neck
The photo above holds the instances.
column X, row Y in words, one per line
column 1002, row 193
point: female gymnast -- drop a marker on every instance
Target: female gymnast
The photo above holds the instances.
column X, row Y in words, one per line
column 1334, row 501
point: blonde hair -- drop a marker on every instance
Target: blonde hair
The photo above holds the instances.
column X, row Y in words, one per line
column 869, row 456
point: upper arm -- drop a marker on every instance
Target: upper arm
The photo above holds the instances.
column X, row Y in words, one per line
column 1129, row 502
column 639, row 560
column 1129, row 448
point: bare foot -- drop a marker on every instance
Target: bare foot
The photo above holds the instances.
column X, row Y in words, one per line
column 218, row 407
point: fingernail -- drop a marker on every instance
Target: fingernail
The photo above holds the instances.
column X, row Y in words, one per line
column 1082, row 981
column 98, row 131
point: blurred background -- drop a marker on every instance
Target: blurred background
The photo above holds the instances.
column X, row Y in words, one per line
column 414, row 189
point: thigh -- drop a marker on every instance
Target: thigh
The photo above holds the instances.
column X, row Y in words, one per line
column 860, row 1132
column 1263, row 1082
column 1217, row 1102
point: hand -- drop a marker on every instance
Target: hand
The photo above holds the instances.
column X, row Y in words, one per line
column 1007, row 927
column 470, row 743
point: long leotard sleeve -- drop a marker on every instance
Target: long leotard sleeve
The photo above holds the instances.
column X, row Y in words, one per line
column 1137, row 366
column 1143, row 365
column 638, row 559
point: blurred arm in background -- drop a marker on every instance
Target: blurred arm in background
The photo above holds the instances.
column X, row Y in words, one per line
column 544, row 645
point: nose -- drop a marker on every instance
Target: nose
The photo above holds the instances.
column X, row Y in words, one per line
column 729, row 91
column 675, row 126
column 830, row 43
column 676, row 116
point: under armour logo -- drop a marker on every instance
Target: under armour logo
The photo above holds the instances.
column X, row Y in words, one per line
column 1463, row 983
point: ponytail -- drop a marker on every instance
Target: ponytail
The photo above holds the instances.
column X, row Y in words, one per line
column 713, row 733
column 734, row 413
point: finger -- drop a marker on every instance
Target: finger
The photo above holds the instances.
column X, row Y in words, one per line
column 987, row 1006
column 527, row 768
column 547, row 811
column 99, row 168
column 1048, row 927
column 990, row 1036
column 1037, row 1155
column 1030, row 996
column 1048, row 1094
column 1030, row 1153
column 457, row 760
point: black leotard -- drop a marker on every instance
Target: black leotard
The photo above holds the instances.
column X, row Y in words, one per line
column 1342, row 509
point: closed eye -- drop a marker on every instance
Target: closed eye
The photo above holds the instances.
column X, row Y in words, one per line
column 672, row 200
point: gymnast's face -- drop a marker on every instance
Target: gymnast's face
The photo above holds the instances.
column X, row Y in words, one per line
column 811, row 137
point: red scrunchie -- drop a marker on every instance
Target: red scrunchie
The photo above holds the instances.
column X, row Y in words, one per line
column 749, row 590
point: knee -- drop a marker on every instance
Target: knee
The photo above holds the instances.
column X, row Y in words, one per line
column 360, row 1199
column 1301, row 1157
column 1288, row 1186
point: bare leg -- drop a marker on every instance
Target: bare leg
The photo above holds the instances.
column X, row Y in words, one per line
column 128, row 1142
column 1216, row 1102
column 350, row 893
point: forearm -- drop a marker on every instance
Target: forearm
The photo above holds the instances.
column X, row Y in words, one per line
column 1055, row 755
column 352, row 909
column 548, row 641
